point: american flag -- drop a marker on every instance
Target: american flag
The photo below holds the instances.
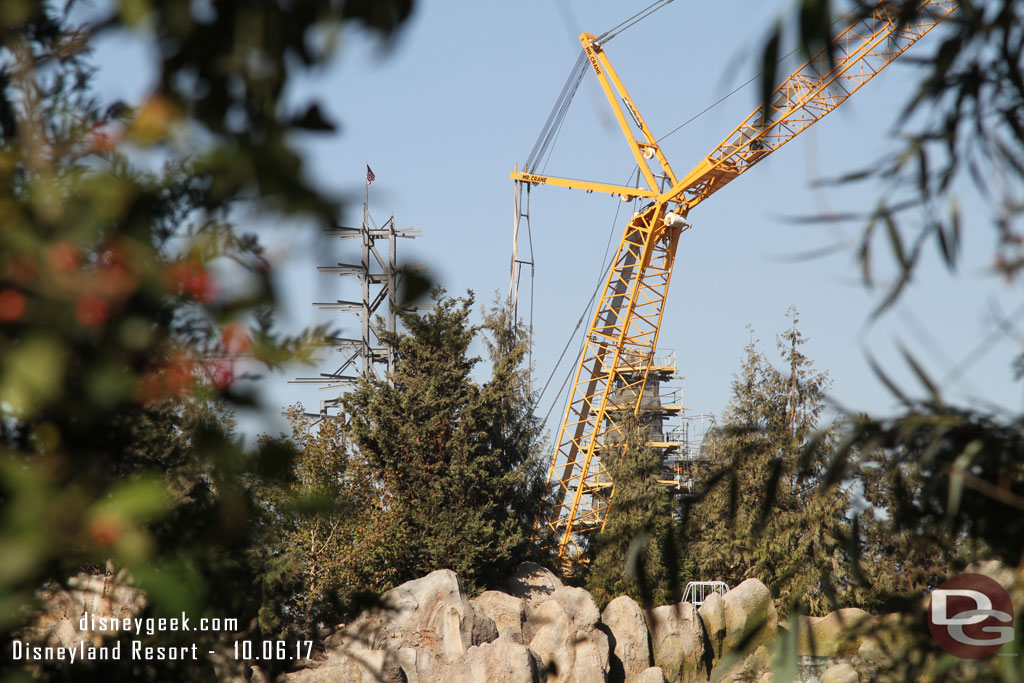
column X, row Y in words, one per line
column 370, row 177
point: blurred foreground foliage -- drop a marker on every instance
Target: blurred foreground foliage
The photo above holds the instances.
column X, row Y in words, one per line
column 130, row 303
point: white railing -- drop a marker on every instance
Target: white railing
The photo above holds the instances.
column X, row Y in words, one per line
column 697, row 591
column 664, row 358
column 671, row 396
column 675, row 435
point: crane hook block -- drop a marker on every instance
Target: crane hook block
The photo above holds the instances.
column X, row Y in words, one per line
column 674, row 220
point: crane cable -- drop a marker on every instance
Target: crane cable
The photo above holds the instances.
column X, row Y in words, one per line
column 635, row 19
column 557, row 116
column 605, row 265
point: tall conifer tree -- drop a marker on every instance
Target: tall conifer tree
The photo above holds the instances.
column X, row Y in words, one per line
column 457, row 458
column 764, row 511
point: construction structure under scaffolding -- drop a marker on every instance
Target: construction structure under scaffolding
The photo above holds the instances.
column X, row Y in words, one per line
column 680, row 439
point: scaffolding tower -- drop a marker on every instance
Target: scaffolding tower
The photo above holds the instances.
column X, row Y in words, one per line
column 684, row 440
column 378, row 275
column 677, row 436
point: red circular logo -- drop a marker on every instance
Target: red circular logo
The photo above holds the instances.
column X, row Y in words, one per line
column 970, row 616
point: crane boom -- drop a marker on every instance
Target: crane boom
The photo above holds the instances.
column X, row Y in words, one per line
column 623, row 335
column 808, row 94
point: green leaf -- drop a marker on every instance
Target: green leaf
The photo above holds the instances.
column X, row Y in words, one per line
column 769, row 71
column 889, row 384
column 139, row 499
column 785, row 655
column 922, row 376
column 173, row 587
column 33, row 374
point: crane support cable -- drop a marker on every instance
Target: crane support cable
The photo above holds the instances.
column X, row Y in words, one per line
column 605, row 264
column 635, row 19
column 557, row 116
column 558, row 112
column 620, row 343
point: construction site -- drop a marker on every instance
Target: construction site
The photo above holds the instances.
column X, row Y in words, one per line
column 624, row 364
column 304, row 342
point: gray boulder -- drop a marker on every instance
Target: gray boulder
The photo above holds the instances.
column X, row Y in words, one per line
column 98, row 595
column 552, row 639
column 652, row 675
column 421, row 665
column 426, row 623
column 500, row 661
column 575, row 603
column 838, row 634
column 840, row 673
column 579, row 605
column 750, row 617
column 435, row 603
column 712, row 615
column 677, row 641
column 532, row 583
column 631, row 643
column 507, row 612
column 571, row 650
column 356, row 665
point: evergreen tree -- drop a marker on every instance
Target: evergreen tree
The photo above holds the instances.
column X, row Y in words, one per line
column 764, row 511
column 637, row 553
column 458, row 460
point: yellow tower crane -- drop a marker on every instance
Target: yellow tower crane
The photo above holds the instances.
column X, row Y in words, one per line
column 619, row 347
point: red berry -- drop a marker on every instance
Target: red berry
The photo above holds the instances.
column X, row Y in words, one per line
column 12, row 306
column 91, row 311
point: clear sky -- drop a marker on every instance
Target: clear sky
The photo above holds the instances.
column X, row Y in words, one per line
column 445, row 113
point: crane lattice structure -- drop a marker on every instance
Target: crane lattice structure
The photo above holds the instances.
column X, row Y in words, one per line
column 615, row 364
column 378, row 280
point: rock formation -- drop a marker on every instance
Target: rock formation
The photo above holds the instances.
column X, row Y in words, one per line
column 629, row 638
column 93, row 596
column 537, row 630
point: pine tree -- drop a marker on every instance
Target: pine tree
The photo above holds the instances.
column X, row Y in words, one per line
column 637, row 553
column 457, row 459
column 764, row 510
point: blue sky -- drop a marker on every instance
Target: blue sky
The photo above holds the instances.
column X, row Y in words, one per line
column 445, row 114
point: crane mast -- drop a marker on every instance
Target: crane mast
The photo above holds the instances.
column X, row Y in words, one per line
column 618, row 351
